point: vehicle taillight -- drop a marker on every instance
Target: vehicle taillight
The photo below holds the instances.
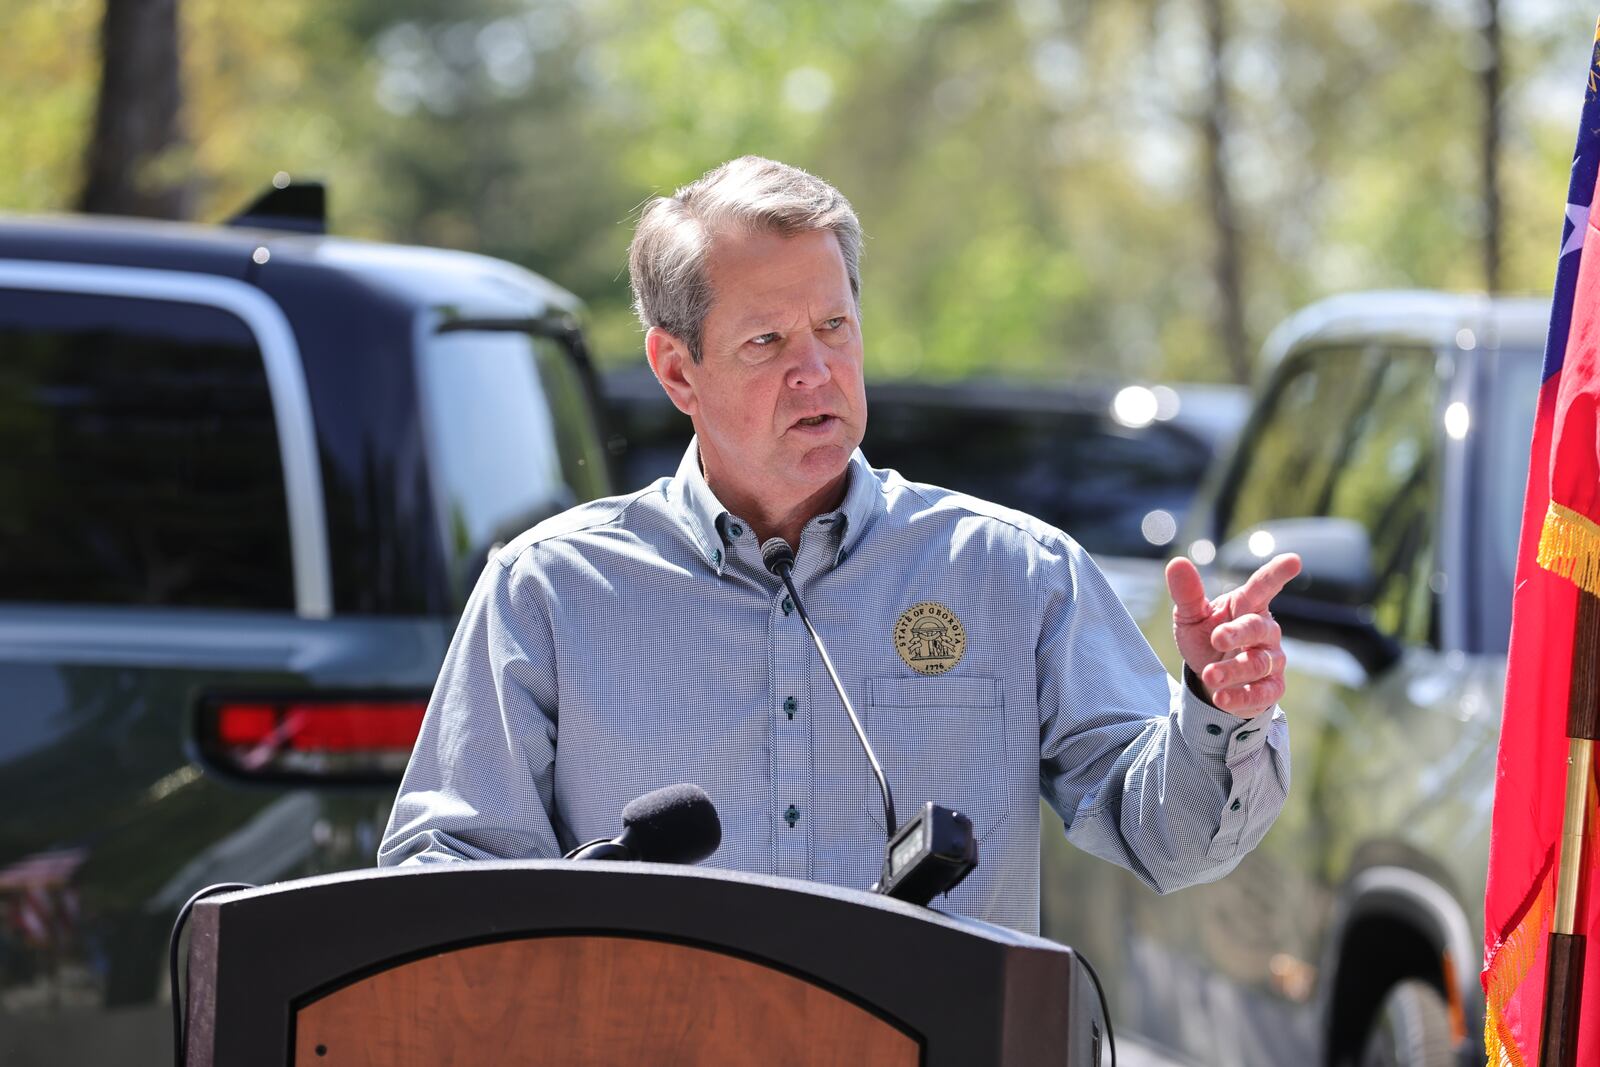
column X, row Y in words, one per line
column 324, row 738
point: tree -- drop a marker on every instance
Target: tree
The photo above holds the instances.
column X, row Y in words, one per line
column 1227, row 268
column 1493, row 62
column 136, row 161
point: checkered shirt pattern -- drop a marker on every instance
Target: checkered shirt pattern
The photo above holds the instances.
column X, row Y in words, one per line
column 637, row 641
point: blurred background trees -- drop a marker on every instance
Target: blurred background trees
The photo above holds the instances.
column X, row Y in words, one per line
column 1051, row 188
column 135, row 161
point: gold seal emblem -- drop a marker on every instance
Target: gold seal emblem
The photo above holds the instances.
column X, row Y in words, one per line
column 929, row 638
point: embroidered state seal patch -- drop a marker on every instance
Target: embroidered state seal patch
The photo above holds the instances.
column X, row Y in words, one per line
column 929, row 638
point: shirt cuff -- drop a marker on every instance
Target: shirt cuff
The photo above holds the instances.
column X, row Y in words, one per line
column 1207, row 729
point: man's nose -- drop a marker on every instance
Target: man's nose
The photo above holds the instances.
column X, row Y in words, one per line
column 810, row 367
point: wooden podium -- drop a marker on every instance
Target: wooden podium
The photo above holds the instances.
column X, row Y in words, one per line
column 562, row 963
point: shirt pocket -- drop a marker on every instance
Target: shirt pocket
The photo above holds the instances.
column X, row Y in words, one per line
column 941, row 739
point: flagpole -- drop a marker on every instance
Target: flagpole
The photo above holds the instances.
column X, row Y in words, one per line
column 1565, row 947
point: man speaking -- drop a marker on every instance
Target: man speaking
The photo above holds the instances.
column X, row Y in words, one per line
column 638, row 641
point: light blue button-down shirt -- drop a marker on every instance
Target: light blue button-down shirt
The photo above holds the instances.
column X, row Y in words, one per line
column 636, row 642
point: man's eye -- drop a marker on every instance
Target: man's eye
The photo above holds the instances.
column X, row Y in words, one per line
column 833, row 323
column 763, row 340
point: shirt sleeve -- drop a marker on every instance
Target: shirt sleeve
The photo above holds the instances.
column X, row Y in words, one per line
column 1142, row 771
column 480, row 781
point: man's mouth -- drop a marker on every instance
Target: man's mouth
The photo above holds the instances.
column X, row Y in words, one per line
column 815, row 420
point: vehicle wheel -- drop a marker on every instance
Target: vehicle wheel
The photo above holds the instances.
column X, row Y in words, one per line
column 1412, row 1029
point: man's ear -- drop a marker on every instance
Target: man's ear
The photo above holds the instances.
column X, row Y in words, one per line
column 669, row 357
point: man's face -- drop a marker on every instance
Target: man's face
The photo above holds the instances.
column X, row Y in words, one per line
column 777, row 400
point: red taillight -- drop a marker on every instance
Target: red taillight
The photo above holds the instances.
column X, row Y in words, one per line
column 328, row 739
column 246, row 724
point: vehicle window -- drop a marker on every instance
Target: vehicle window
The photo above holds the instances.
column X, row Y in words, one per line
column 511, row 437
column 1117, row 491
column 138, row 456
column 1352, row 435
column 578, row 444
column 1508, row 410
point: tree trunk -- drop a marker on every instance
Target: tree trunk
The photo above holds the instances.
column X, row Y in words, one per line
column 1226, row 258
column 1493, row 62
column 134, row 159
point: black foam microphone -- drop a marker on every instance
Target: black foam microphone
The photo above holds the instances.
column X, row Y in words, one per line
column 675, row 824
column 777, row 557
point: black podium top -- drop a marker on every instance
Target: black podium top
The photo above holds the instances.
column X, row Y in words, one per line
column 971, row 993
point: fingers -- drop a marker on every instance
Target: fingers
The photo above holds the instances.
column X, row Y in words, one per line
column 1256, row 594
column 1248, row 701
column 1246, row 631
column 1248, row 678
column 1189, row 602
column 1250, row 665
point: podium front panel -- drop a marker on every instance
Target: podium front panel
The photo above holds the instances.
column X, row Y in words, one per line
column 587, row 1002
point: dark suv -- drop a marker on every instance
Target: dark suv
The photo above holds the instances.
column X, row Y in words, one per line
column 249, row 476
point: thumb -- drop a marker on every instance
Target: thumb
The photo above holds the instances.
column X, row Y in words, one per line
column 1189, row 602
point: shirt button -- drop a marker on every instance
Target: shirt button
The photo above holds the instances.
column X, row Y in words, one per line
column 1242, row 734
column 842, row 556
column 788, row 606
column 1213, row 729
column 791, row 816
column 716, row 557
column 789, row 706
column 1234, row 806
column 736, row 530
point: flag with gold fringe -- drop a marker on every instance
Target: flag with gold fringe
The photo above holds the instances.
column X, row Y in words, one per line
column 1558, row 562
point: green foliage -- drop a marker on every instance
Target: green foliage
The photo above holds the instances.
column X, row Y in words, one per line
column 1029, row 172
column 46, row 54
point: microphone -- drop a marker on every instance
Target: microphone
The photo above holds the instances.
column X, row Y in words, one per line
column 675, row 824
column 778, row 558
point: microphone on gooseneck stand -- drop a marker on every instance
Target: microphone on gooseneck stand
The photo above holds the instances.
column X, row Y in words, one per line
column 779, row 559
column 676, row 824
column 931, row 853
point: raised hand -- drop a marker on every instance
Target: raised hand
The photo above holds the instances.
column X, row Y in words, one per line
column 1232, row 643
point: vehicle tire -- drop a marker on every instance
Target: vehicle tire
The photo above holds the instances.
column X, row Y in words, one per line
column 1412, row 1029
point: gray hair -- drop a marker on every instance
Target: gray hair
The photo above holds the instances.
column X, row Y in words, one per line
column 667, row 259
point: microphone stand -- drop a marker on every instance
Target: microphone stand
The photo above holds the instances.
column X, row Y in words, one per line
column 779, row 558
column 933, row 852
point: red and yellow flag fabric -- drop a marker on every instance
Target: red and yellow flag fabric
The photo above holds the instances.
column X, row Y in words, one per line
column 1558, row 556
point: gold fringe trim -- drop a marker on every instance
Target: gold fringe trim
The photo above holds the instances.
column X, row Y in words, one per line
column 1512, row 962
column 1569, row 545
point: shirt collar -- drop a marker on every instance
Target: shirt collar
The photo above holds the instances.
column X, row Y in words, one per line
column 698, row 507
column 863, row 500
column 700, row 510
